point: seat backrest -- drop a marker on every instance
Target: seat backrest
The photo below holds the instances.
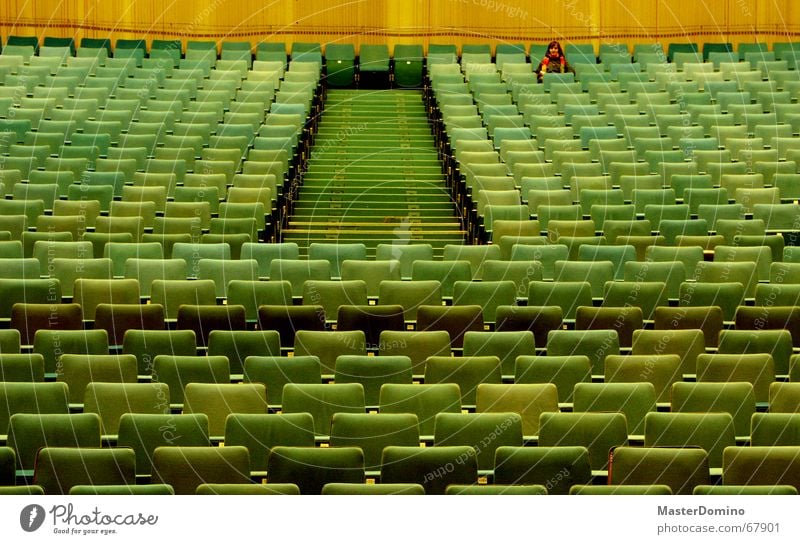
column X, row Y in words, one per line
column 445, row 272
column 322, row 401
column 53, row 344
column 410, row 295
column 78, row 371
column 595, row 344
column 173, row 293
column 598, row 432
column 507, row 345
column 784, row 397
column 529, row 400
column 541, row 465
column 27, row 433
column 330, row 294
column 145, row 432
column 372, row 273
column 680, row 468
column 185, row 468
column 474, row 429
column 205, row 318
column 761, row 465
column 31, row 398
column 90, row 292
column 372, row 433
column 755, row 368
column 372, row 372
column 417, row 345
column 178, row 371
column 413, row 464
column 59, row 469
column 709, row 319
column 311, row 468
column 635, row 400
column 425, row 401
column 298, row 271
column 111, row 400
column 624, row 319
column 261, row 432
column 405, row 254
column 660, row 370
column 687, row 344
column 456, row 320
column 777, row 343
column 19, row 367
column 328, row 345
column 276, row 371
column 711, row 431
column 735, row 398
column 467, row 372
column 219, row 400
column 476, row 255
column 336, row 254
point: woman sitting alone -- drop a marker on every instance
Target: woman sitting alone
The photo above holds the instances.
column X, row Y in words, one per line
column 553, row 62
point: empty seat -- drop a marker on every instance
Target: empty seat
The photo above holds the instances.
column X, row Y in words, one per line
column 59, row 469
column 682, row 469
column 761, row 465
column 187, row 467
column 311, row 468
column 540, row 465
column 322, row 401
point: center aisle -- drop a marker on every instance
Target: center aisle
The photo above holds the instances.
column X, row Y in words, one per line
column 374, row 176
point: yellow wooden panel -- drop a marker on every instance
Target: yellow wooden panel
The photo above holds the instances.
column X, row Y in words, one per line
column 713, row 19
column 407, row 22
column 410, row 21
column 629, row 21
column 778, row 20
column 743, row 22
column 313, row 12
column 376, row 15
column 679, row 23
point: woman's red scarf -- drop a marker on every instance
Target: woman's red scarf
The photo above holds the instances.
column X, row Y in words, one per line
column 546, row 61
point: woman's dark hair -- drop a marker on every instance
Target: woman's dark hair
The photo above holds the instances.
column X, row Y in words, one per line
column 555, row 44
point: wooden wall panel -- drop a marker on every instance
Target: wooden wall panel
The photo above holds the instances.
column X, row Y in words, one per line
column 21, row 14
column 779, row 15
column 408, row 21
column 674, row 20
column 713, row 19
column 631, row 22
column 512, row 21
column 236, row 17
column 743, row 20
column 376, row 14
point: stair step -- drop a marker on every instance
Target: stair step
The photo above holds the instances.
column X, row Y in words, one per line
column 390, row 132
column 442, row 212
column 370, row 228
column 383, row 168
column 304, row 239
column 374, row 177
column 369, row 205
column 374, row 161
column 367, row 118
column 387, row 153
column 367, row 195
column 333, row 181
column 387, row 190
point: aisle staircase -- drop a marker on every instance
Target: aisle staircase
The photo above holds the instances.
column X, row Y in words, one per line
column 374, row 176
